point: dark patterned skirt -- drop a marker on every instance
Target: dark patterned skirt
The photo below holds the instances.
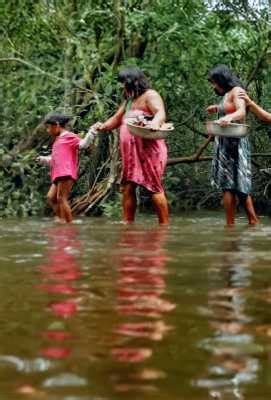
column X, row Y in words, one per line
column 231, row 166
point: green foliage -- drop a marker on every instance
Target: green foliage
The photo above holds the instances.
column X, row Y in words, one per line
column 112, row 208
column 65, row 55
column 22, row 188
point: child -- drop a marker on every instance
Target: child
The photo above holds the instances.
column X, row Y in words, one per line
column 63, row 162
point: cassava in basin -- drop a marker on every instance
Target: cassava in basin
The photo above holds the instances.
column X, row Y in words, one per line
column 233, row 130
column 147, row 133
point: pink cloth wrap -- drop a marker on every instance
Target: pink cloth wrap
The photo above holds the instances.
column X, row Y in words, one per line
column 64, row 160
column 143, row 160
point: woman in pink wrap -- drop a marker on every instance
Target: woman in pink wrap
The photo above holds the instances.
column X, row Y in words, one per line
column 143, row 160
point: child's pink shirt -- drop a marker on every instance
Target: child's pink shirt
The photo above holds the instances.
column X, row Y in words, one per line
column 64, row 161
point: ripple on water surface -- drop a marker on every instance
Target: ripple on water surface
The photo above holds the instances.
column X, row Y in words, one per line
column 102, row 310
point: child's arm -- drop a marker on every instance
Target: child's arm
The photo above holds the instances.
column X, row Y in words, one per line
column 88, row 139
column 44, row 160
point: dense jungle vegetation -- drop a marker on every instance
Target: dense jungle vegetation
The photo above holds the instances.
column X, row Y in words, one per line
column 65, row 55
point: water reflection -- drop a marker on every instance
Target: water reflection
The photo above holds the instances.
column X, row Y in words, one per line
column 100, row 322
column 141, row 306
column 233, row 362
column 58, row 277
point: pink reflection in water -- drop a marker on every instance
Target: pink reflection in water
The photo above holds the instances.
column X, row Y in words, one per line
column 58, row 288
column 141, row 287
column 64, row 309
column 58, row 276
column 142, row 271
column 64, row 269
column 55, row 352
column 128, row 354
column 58, row 336
column 30, row 390
column 154, row 330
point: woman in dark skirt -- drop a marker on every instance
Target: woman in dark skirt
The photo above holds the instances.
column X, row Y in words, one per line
column 231, row 166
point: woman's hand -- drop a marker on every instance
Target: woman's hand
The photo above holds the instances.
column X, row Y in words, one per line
column 94, row 128
column 244, row 96
column 154, row 125
column 212, row 109
column 224, row 121
column 98, row 126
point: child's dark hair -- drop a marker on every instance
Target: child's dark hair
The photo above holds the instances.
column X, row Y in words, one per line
column 57, row 119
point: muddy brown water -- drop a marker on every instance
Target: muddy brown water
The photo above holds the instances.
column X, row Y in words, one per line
column 99, row 310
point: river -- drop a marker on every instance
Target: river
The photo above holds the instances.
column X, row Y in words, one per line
column 98, row 310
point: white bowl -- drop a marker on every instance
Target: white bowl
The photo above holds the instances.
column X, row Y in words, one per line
column 147, row 133
column 232, row 130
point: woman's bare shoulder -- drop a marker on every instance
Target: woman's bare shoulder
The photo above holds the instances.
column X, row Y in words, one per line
column 237, row 90
column 151, row 92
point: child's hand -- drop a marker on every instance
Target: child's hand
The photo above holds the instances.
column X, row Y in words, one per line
column 212, row 109
column 44, row 160
column 94, row 128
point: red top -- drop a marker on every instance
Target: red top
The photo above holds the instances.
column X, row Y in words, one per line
column 64, row 160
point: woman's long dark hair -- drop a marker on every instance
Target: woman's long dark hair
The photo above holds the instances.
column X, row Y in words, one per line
column 224, row 78
column 134, row 80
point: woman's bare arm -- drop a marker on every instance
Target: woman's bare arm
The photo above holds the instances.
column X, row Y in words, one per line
column 155, row 104
column 240, row 109
column 255, row 108
column 112, row 122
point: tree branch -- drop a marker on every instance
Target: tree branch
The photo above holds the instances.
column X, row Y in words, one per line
column 257, row 66
column 194, row 157
column 41, row 71
column 120, row 17
column 191, row 159
column 187, row 160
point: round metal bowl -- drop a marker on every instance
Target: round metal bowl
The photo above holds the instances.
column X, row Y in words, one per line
column 146, row 133
column 232, row 130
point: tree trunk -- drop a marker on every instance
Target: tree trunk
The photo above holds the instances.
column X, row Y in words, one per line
column 70, row 52
column 119, row 9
